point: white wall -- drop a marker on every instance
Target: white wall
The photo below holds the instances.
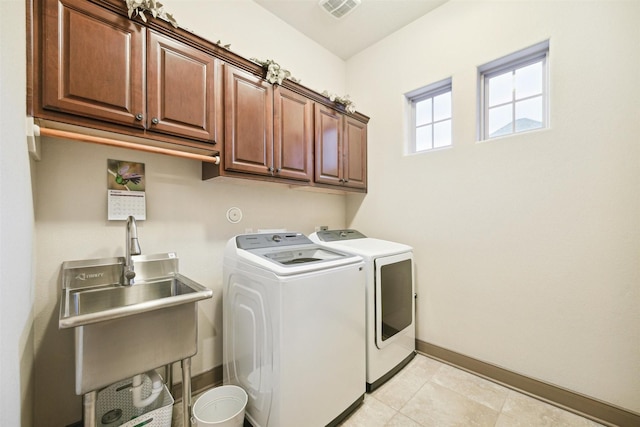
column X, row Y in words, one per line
column 526, row 247
column 256, row 33
column 16, row 226
column 185, row 214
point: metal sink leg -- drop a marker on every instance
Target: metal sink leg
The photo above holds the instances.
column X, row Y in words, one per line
column 89, row 408
column 168, row 376
column 186, row 392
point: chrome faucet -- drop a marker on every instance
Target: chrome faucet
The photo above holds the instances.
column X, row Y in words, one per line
column 132, row 248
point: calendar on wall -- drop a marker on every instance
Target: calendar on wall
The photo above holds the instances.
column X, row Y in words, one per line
column 126, row 190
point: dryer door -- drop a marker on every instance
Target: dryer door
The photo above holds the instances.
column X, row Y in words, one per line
column 394, row 293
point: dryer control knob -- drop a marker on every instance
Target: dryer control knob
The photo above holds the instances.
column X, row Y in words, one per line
column 276, row 238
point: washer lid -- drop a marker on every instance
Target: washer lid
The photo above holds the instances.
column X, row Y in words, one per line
column 290, row 253
column 366, row 247
column 297, row 255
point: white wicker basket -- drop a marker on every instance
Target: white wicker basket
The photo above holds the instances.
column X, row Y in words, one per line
column 117, row 400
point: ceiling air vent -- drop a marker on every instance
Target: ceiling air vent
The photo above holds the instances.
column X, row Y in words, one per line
column 339, row 8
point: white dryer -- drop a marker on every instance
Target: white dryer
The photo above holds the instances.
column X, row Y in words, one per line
column 390, row 293
column 293, row 329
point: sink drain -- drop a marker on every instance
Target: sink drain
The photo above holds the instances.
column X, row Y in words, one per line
column 112, row 416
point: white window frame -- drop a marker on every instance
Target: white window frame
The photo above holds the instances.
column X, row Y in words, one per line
column 415, row 96
column 533, row 54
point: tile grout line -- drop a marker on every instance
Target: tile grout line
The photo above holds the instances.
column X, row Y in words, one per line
column 398, row 411
column 471, row 399
column 430, row 380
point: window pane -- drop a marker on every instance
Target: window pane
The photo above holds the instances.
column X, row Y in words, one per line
column 529, row 114
column 500, row 121
column 423, row 138
column 500, row 89
column 425, row 103
column 423, row 112
column 529, row 80
column 442, row 106
column 442, row 134
column 514, row 94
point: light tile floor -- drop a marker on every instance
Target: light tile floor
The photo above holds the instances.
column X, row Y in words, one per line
column 428, row 393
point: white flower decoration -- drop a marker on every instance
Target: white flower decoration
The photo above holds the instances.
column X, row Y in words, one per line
column 275, row 73
column 139, row 7
column 344, row 100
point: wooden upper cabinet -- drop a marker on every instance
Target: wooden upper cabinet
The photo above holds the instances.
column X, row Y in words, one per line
column 93, row 67
column 248, row 122
column 292, row 135
column 93, row 63
column 355, row 153
column 329, row 160
column 341, row 149
column 104, row 66
column 268, row 130
column 181, row 89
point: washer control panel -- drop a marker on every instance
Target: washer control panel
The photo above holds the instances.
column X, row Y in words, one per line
column 271, row 240
column 337, row 235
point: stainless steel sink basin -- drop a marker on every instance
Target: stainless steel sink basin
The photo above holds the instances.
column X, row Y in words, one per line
column 122, row 331
column 96, row 304
column 96, row 300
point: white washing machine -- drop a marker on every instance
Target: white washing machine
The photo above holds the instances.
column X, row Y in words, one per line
column 293, row 329
column 390, row 294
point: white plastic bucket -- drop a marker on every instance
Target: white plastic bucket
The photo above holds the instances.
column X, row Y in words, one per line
column 221, row 407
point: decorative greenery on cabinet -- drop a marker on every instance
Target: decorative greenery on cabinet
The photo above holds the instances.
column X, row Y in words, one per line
column 153, row 7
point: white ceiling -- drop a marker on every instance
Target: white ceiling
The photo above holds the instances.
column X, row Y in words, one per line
column 368, row 23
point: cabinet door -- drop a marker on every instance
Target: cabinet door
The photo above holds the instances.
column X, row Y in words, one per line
column 248, row 123
column 94, row 63
column 292, row 135
column 328, row 125
column 181, row 90
column 355, row 153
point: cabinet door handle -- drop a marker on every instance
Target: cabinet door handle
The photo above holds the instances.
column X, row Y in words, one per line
column 278, row 170
column 269, row 169
column 155, row 120
column 139, row 117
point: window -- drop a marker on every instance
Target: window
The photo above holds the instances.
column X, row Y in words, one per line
column 430, row 117
column 514, row 93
